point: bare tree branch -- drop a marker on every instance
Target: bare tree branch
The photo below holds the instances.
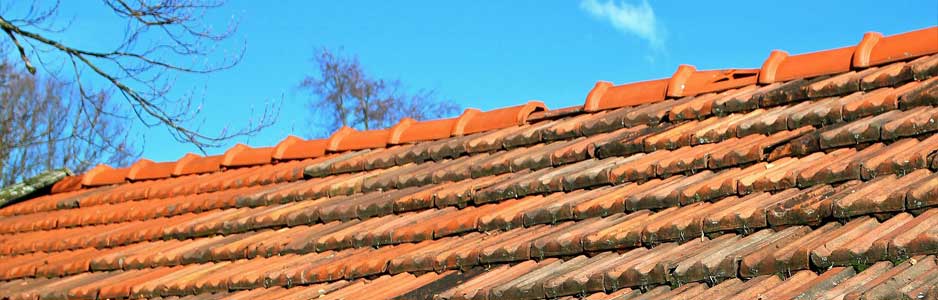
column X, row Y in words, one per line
column 347, row 96
column 142, row 67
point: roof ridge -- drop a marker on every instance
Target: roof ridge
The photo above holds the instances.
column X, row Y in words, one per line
column 874, row 49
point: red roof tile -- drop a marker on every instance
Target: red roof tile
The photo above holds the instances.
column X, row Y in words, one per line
column 295, row 148
column 825, row 176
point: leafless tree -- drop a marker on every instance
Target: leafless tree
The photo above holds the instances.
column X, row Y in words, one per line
column 161, row 40
column 34, row 136
column 347, row 96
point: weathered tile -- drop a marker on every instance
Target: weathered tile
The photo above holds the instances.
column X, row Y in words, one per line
column 622, row 231
column 886, row 76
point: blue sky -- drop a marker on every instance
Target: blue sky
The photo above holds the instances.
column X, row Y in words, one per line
column 489, row 54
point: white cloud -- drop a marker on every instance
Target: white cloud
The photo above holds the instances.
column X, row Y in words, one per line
column 638, row 19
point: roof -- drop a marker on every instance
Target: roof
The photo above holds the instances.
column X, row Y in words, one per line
column 812, row 177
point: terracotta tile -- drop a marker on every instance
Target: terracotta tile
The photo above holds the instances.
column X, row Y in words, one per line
column 620, row 294
column 566, row 242
column 745, row 214
column 323, row 167
column 879, row 50
column 514, row 185
column 517, row 246
column 721, row 184
column 530, row 285
column 841, row 84
column 422, row 258
column 121, row 286
column 840, row 238
column 923, row 286
column 781, row 67
column 657, row 193
column 410, row 130
column 382, row 233
column 560, row 209
column 791, row 256
column 585, row 174
column 422, row 175
column 683, row 292
column 676, row 137
column 72, row 287
column 839, row 165
column 450, row 148
column 554, row 114
column 567, row 128
column 638, row 167
column 793, row 281
column 606, row 96
column 511, row 214
column 195, row 164
column 147, row 169
column 26, row 289
column 888, row 75
column 467, row 219
column 477, row 190
column 354, row 164
column 411, row 288
column 605, row 201
column 902, row 157
column 724, row 129
column 850, row 284
column 342, row 236
column 242, row 155
column 792, row 91
column 647, row 114
column 473, row 121
column 739, row 100
column 921, row 95
column 514, row 137
column 387, row 179
column 599, row 122
column 860, row 131
column 347, row 138
column 923, row 193
column 883, row 194
column 875, row 102
column 893, row 287
column 537, row 157
column 773, row 176
column 924, row 67
column 458, row 169
column 913, row 122
column 478, row 287
column 680, row 224
column 687, row 81
column 821, row 112
column 756, row 287
column 684, row 160
column 576, row 282
column 771, row 121
column 914, row 237
column 624, row 142
column 293, row 147
column 701, row 106
column 654, row 293
column 104, row 175
column 818, row 285
column 577, row 150
column 808, row 206
column 654, row 267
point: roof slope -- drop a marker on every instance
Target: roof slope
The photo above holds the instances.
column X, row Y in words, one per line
column 811, row 177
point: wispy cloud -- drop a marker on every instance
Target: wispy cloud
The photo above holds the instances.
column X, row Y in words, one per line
column 638, row 19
